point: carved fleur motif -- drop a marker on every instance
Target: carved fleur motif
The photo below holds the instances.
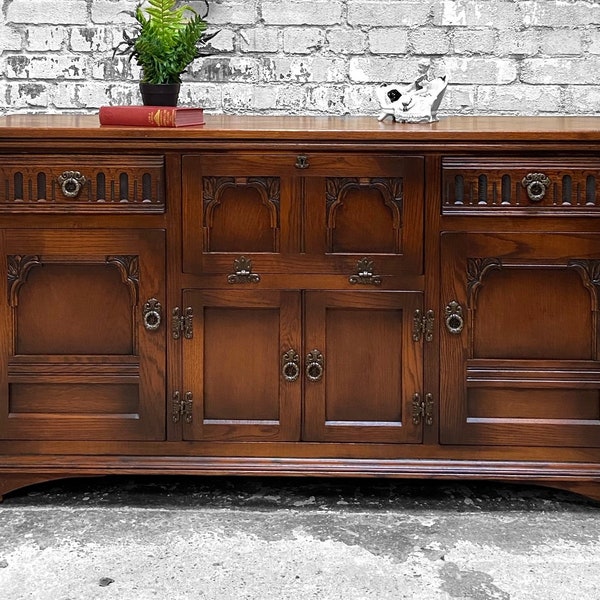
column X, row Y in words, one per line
column 477, row 268
column 18, row 268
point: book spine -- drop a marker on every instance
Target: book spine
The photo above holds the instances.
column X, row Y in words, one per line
column 138, row 115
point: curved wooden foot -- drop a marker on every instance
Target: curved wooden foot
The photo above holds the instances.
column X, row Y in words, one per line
column 10, row 483
column 589, row 489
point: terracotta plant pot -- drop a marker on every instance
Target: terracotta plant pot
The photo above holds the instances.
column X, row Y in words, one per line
column 161, row 94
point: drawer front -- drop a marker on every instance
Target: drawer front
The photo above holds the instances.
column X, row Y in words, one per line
column 82, row 184
column 520, row 186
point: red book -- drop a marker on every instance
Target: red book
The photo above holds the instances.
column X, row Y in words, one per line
column 151, row 116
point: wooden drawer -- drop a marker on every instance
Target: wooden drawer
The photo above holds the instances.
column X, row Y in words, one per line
column 520, row 186
column 82, row 184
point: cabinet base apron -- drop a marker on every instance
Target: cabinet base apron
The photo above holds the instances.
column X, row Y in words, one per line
column 579, row 478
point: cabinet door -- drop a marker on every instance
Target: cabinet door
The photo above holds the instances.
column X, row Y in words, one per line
column 238, row 205
column 520, row 349
column 77, row 361
column 241, row 368
column 362, row 368
column 361, row 206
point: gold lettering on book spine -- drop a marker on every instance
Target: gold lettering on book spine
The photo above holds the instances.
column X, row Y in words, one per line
column 161, row 118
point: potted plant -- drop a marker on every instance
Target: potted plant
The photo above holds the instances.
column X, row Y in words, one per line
column 167, row 40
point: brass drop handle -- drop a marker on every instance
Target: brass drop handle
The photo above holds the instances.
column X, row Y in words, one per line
column 537, row 185
column 365, row 273
column 71, row 183
column 454, row 317
column 242, row 272
column 314, row 365
column 290, row 365
column 152, row 314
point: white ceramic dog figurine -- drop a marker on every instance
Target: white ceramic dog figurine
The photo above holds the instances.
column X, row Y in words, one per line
column 418, row 101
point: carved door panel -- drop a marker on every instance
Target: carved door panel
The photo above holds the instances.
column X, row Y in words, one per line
column 363, row 369
column 242, row 366
column 238, row 206
column 520, row 350
column 82, row 342
column 364, row 207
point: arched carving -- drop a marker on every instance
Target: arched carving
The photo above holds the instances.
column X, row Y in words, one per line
column 19, row 266
column 389, row 188
column 589, row 270
column 129, row 268
column 477, row 268
column 268, row 189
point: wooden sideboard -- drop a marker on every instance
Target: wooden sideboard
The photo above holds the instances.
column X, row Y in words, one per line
column 301, row 296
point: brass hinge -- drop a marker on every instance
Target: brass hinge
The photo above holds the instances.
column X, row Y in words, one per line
column 423, row 325
column 422, row 409
column 182, row 407
column 182, row 323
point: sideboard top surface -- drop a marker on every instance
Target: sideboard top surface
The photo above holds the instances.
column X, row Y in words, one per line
column 312, row 129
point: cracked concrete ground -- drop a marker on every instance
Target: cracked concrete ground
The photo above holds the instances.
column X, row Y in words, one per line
column 255, row 538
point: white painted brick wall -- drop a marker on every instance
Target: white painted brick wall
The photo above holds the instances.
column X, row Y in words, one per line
column 315, row 56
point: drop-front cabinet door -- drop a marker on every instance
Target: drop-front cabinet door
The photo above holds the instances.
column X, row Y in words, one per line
column 313, row 213
column 242, row 366
column 520, row 350
column 82, row 344
column 363, row 369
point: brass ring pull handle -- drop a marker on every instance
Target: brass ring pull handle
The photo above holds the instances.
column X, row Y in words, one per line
column 454, row 317
column 314, row 365
column 152, row 314
column 290, row 365
column 536, row 185
column 71, row 183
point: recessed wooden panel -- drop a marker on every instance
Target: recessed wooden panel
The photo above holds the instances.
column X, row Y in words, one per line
column 526, row 313
column 74, row 309
column 241, row 364
column 241, row 214
column 73, row 399
column 364, row 215
column 529, row 403
column 364, row 383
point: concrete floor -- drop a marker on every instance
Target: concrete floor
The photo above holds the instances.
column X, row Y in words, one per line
column 256, row 538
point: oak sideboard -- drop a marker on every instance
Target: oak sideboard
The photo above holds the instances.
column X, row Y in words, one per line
column 301, row 296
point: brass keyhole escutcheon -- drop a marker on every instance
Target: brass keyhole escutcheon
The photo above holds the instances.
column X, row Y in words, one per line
column 302, row 162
